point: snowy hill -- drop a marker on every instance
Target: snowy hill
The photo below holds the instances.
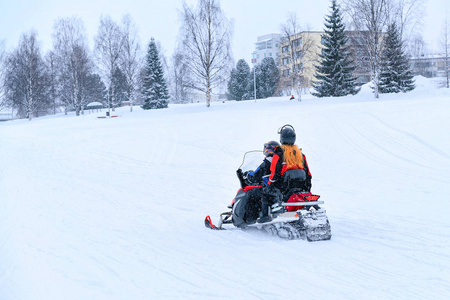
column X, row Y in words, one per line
column 113, row 208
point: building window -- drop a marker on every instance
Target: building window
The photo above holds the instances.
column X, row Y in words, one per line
column 261, row 46
column 286, row 61
column 285, row 49
column 286, row 72
column 297, row 42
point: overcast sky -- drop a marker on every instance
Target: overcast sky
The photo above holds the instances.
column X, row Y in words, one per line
column 159, row 18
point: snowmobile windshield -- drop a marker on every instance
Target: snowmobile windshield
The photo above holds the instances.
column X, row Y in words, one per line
column 252, row 160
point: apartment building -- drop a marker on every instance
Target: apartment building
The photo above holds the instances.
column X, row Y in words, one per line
column 359, row 54
column 299, row 55
column 432, row 65
column 267, row 46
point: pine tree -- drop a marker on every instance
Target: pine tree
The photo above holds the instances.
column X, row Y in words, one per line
column 267, row 76
column 96, row 89
column 231, row 94
column 334, row 74
column 238, row 85
column 154, row 89
column 396, row 75
column 120, row 86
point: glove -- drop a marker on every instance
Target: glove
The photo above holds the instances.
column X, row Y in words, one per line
column 241, row 178
column 278, row 151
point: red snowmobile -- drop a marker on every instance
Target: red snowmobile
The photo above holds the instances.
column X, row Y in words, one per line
column 295, row 213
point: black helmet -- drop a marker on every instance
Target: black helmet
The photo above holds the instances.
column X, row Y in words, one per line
column 269, row 148
column 287, row 135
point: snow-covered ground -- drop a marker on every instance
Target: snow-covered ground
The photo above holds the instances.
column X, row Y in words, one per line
column 114, row 208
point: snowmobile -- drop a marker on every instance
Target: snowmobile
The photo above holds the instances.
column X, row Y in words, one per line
column 296, row 213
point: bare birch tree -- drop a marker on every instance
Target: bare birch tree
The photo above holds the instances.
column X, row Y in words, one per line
column 369, row 18
column 3, row 102
column 73, row 62
column 206, row 36
column 109, row 44
column 408, row 15
column 51, row 61
column 299, row 51
column 27, row 78
column 445, row 46
column 130, row 59
column 417, row 46
column 180, row 79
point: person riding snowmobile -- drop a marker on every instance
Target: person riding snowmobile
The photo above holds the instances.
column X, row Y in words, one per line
column 261, row 175
column 250, row 194
column 287, row 196
column 289, row 169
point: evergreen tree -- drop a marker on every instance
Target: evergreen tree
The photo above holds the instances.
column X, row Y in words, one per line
column 267, row 76
column 238, row 85
column 396, row 75
column 96, row 89
column 334, row 74
column 120, row 86
column 154, row 89
column 231, row 94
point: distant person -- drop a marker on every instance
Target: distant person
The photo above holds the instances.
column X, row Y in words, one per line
column 292, row 97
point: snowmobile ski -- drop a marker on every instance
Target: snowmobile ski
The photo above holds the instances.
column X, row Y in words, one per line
column 209, row 224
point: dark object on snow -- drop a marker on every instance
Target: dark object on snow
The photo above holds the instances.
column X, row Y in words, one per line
column 292, row 97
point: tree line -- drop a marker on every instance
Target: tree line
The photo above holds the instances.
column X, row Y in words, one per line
column 375, row 37
column 70, row 75
column 335, row 71
column 117, row 70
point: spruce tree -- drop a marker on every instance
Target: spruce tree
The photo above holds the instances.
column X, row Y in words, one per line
column 154, row 88
column 335, row 73
column 120, row 86
column 395, row 75
column 239, row 81
column 267, row 76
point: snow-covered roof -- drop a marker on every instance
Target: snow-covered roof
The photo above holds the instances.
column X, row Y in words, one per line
column 94, row 104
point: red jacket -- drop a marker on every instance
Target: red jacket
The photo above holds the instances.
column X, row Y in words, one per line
column 278, row 167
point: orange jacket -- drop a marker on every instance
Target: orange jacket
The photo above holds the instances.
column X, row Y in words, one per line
column 278, row 167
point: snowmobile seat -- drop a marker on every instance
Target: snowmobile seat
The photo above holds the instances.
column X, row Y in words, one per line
column 294, row 178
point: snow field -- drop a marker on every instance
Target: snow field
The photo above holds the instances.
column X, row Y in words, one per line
column 114, row 208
